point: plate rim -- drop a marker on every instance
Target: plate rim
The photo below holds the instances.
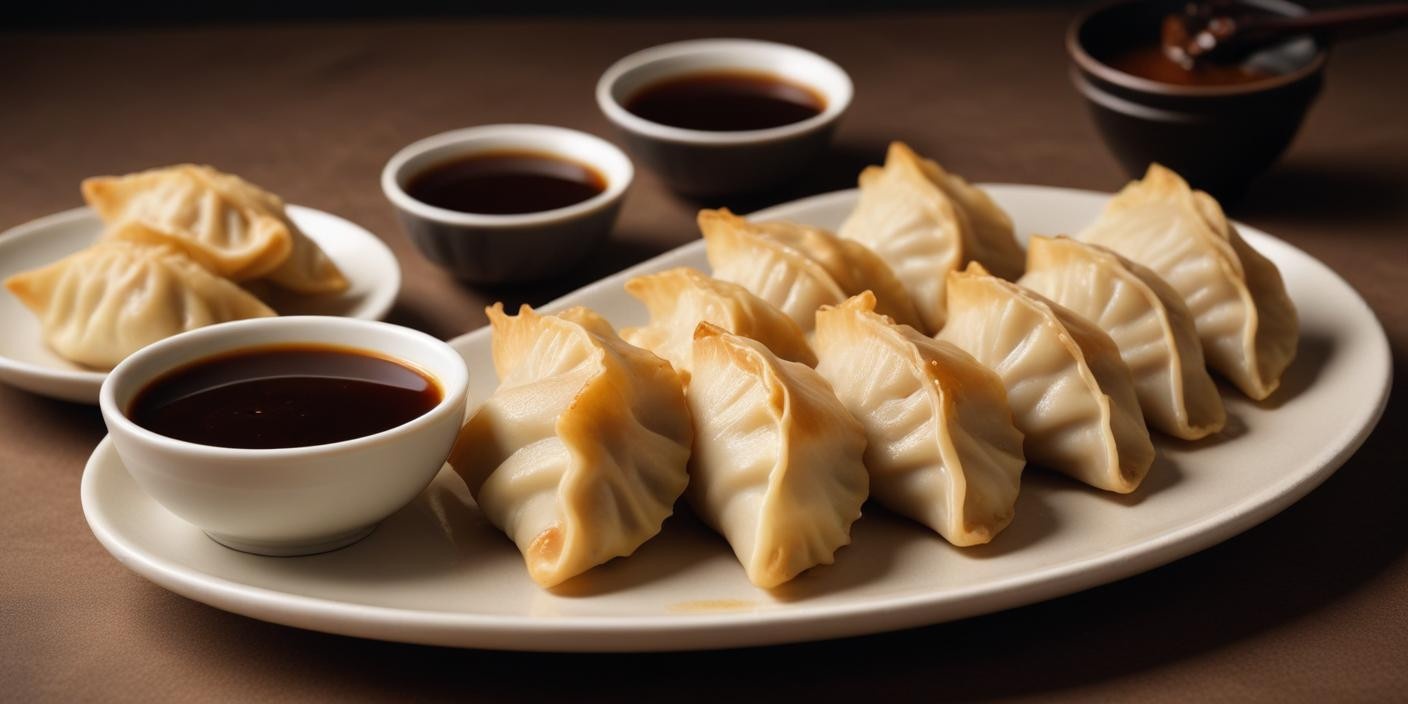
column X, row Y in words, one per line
column 749, row 628
column 378, row 303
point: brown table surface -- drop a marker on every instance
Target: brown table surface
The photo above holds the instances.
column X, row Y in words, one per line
column 1312, row 603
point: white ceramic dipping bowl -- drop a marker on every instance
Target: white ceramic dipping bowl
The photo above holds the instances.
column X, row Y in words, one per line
column 293, row 501
column 497, row 249
column 706, row 163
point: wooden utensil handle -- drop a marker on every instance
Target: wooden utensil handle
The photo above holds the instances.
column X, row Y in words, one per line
column 1331, row 24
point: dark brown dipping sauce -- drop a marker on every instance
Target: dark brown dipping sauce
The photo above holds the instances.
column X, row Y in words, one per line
column 1150, row 62
column 506, row 183
column 283, row 396
column 726, row 101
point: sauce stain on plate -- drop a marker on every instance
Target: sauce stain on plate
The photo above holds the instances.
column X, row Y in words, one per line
column 711, row 606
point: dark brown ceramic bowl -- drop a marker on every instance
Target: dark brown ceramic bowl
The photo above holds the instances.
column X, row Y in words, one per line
column 1217, row 137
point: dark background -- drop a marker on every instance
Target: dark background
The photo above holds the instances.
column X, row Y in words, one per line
column 76, row 15
column 1310, row 606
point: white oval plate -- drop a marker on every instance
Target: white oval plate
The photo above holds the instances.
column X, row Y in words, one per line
column 26, row 362
column 436, row 573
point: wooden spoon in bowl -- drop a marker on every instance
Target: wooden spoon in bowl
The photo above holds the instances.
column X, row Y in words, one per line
column 1227, row 32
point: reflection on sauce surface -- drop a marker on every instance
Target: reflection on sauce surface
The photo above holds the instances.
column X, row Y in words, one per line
column 726, row 101
column 283, row 396
column 506, row 183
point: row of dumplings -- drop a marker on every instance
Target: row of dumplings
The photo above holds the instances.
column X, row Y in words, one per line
column 920, row 357
column 178, row 244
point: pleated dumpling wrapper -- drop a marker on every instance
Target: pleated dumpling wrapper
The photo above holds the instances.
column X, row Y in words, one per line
column 1245, row 318
column 1070, row 392
column 1148, row 321
column 941, row 445
column 799, row 268
column 580, row 454
column 679, row 299
column 926, row 222
column 232, row 227
column 100, row 304
column 777, row 466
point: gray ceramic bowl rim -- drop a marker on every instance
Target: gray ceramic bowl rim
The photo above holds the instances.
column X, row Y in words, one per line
column 836, row 104
column 1089, row 63
column 615, row 185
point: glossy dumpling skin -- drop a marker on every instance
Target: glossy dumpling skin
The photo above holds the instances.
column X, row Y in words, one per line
column 777, row 466
column 679, row 299
column 1245, row 319
column 100, row 304
column 926, row 222
column 1148, row 321
column 1071, row 395
column 580, row 453
column 232, row 227
column 941, row 445
column 799, row 268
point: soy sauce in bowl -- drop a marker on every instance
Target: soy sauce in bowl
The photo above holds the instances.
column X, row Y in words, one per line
column 280, row 396
column 506, row 183
column 726, row 101
column 1150, row 61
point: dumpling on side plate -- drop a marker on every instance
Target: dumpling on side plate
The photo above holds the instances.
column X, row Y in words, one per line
column 926, row 222
column 1245, row 318
column 1148, row 321
column 232, row 227
column 580, row 453
column 777, row 466
column 100, row 304
column 679, row 299
column 1071, row 395
column 799, row 268
column 941, row 446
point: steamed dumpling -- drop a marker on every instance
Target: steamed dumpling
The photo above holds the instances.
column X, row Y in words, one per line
column 926, row 222
column 777, row 466
column 679, row 299
column 1148, row 321
column 853, row 266
column 580, row 453
column 941, row 446
column 230, row 231
column 100, row 304
column 799, row 268
column 1071, row 395
column 1245, row 319
column 232, row 227
column 776, row 273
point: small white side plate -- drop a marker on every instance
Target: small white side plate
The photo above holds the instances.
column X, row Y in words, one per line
column 26, row 362
column 437, row 573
